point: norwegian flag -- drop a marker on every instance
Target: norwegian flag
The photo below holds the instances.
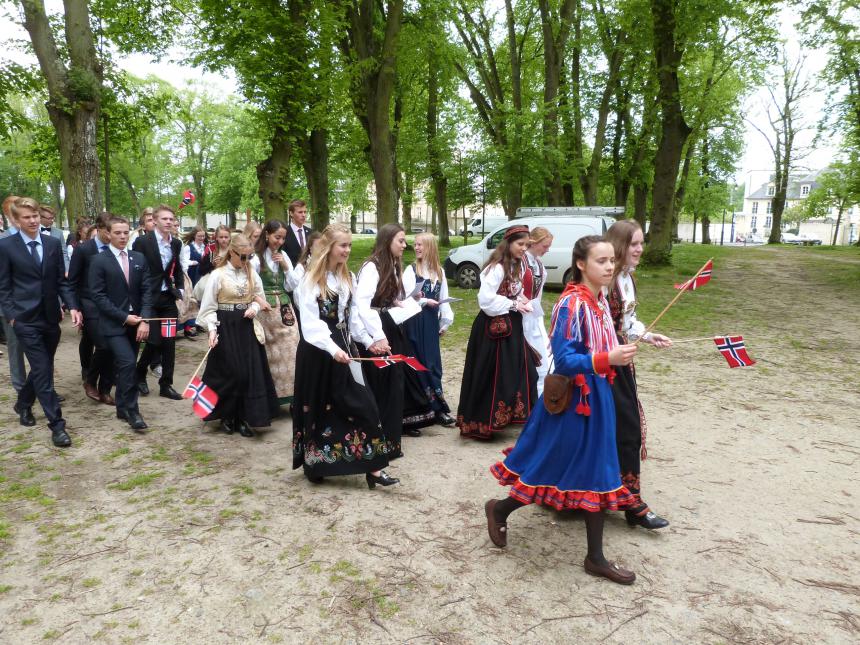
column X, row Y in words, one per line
column 187, row 198
column 411, row 361
column 203, row 397
column 700, row 280
column 168, row 328
column 734, row 350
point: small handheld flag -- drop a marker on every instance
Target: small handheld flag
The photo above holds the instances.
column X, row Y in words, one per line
column 203, row 397
column 168, row 328
column 703, row 278
column 187, row 198
column 411, row 361
column 734, row 350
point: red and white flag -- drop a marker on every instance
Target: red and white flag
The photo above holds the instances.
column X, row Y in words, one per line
column 168, row 328
column 700, row 280
column 734, row 350
column 203, row 397
column 187, row 198
column 411, row 361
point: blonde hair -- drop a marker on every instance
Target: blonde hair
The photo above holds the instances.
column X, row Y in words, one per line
column 237, row 242
column 318, row 267
column 23, row 202
column 430, row 263
column 620, row 236
column 250, row 227
column 539, row 234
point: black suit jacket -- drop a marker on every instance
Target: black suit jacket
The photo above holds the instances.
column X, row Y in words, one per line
column 113, row 296
column 148, row 245
column 79, row 276
column 291, row 244
column 27, row 289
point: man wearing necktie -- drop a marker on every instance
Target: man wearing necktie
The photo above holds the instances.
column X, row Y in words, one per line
column 32, row 282
column 98, row 364
column 46, row 221
column 122, row 290
column 297, row 232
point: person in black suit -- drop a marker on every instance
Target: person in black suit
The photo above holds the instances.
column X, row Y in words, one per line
column 32, row 282
column 161, row 250
column 122, row 291
column 98, row 379
column 297, row 232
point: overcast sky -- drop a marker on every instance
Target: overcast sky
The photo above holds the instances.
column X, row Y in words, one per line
column 753, row 166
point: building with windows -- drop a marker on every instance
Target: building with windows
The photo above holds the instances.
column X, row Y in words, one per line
column 756, row 219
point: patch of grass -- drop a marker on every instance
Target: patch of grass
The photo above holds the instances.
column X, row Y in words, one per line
column 30, row 620
column 159, row 454
column 32, row 492
column 51, row 635
column 5, row 530
column 22, row 447
column 89, row 583
column 343, row 569
column 119, row 452
column 5, row 588
column 141, row 480
column 227, row 513
column 242, row 489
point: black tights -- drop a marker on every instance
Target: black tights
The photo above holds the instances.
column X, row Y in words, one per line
column 593, row 527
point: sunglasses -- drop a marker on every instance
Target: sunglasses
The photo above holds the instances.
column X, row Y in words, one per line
column 243, row 257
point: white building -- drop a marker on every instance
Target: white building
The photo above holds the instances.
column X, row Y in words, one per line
column 756, row 218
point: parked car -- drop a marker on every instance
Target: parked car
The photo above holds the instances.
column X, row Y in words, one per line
column 417, row 229
column 367, row 231
column 464, row 263
column 799, row 240
column 477, row 226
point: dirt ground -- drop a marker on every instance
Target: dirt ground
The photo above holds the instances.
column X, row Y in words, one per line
column 187, row 535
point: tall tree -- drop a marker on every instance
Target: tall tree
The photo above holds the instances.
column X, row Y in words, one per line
column 369, row 43
column 73, row 75
column 786, row 121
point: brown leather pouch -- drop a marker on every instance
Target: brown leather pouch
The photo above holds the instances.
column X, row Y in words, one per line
column 499, row 327
column 557, row 392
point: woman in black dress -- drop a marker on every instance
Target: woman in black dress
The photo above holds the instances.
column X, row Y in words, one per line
column 336, row 428
column 237, row 369
column 500, row 376
column 627, row 240
column 383, row 308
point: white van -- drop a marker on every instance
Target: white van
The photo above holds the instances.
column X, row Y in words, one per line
column 478, row 226
column 464, row 263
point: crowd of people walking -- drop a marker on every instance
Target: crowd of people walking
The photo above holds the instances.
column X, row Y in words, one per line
column 291, row 329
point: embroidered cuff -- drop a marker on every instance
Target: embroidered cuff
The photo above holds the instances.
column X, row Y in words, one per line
column 600, row 362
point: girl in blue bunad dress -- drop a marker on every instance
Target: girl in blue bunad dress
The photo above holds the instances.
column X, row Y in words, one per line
column 569, row 460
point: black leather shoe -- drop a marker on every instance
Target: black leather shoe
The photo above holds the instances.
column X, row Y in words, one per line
column 244, row 429
column 168, row 392
column 228, row 426
column 135, row 420
column 446, row 420
column 60, row 437
column 383, row 479
column 316, row 480
column 121, row 414
column 190, row 335
column 412, row 432
column 25, row 415
column 143, row 388
column 648, row 521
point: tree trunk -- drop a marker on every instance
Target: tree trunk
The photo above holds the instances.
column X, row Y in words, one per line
column 681, row 188
column 640, row 204
column 132, row 192
column 838, row 222
column 315, row 162
column 407, row 199
column 374, row 51
column 273, row 176
column 434, row 153
column 706, row 173
column 674, row 131
column 73, row 104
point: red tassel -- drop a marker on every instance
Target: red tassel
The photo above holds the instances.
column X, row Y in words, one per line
column 580, row 408
column 586, row 409
column 611, row 376
column 585, row 390
column 579, row 380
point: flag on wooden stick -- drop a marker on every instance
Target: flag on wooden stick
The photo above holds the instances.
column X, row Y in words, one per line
column 411, row 361
column 187, row 198
column 203, row 397
column 734, row 350
column 703, row 278
column 168, row 328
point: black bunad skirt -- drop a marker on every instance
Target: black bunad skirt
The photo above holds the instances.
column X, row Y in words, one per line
column 238, row 372
column 499, row 384
column 336, row 427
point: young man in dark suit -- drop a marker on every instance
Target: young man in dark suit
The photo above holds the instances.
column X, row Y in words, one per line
column 32, row 282
column 297, row 232
column 46, row 219
column 122, row 291
column 98, row 380
column 161, row 252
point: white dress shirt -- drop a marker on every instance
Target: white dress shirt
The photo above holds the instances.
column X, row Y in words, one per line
column 166, row 253
column 314, row 330
column 27, row 239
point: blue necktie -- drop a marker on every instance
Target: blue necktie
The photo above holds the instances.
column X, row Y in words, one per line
column 34, row 252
